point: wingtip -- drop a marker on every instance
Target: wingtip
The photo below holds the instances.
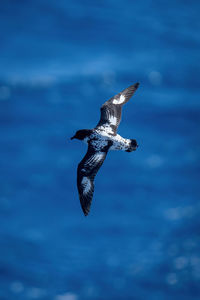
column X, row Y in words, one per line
column 132, row 88
column 85, row 211
column 136, row 85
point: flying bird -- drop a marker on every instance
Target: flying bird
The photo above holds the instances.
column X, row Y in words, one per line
column 100, row 139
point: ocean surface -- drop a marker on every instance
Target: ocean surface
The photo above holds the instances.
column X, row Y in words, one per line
column 59, row 62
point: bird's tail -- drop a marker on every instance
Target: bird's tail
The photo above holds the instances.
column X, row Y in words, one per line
column 132, row 145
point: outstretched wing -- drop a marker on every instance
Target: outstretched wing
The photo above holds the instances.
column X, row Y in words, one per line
column 111, row 110
column 86, row 172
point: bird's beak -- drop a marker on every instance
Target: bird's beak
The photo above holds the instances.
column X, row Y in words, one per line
column 72, row 138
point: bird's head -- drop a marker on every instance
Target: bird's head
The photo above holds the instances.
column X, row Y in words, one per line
column 81, row 134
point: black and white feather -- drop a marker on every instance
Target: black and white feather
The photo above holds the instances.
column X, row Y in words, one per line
column 111, row 110
column 102, row 138
column 86, row 172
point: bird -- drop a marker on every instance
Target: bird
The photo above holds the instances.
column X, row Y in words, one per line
column 100, row 140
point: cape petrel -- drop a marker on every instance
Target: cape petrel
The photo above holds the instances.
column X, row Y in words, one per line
column 102, row 138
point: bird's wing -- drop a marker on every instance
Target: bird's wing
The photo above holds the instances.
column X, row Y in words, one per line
column 86, row 172
column 111, row 110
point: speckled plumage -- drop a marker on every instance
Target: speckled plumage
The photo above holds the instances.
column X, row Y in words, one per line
column 102, row 138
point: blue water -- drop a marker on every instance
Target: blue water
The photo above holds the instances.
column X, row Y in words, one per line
column 59, row 61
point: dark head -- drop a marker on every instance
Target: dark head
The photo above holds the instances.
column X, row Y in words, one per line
column 81, row 134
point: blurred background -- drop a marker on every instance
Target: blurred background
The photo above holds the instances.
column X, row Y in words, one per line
column 59, row 62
